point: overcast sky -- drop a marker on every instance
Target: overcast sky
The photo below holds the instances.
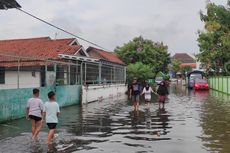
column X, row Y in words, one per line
column 110, row 23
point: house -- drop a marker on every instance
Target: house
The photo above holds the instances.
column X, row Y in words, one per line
column 61, row 65
column 104, row 55
column 185, row 59
column 32, row 65
column 113, row 68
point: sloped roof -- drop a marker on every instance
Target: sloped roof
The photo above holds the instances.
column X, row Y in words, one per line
column 184, row 58
column 42, row 48
column 105, row 55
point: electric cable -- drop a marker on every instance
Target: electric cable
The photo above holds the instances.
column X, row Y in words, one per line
column 54, row 26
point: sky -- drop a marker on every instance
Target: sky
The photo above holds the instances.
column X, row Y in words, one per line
column 110, row 23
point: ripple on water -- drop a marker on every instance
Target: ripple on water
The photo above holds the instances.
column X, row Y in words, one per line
column 190, row 120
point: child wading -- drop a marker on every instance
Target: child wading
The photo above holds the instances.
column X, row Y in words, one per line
column 147, row 93
column 34, row 113
column 51, row 112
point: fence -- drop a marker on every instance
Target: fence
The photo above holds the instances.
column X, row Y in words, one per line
column 24, row 72
column 103, row 73
column 221, row 84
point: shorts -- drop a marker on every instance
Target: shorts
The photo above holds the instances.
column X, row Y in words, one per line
column 51, row 125
column 135, row 98
column 36, row 118
column 147, row 100
column 162, row 99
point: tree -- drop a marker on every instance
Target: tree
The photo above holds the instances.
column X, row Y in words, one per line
column 214, row 41
column 140, row 70
column 150, row 53
column 175, row 65
column 185, row 69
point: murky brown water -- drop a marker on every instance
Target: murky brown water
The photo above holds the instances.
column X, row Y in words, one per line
column 192, row 122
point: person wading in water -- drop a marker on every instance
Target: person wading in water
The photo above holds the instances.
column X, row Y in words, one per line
column 162, row 91
column 34, row 109
column 147, row 93
column 134, row 94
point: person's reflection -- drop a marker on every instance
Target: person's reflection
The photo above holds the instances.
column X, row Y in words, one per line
column 51, row 148
column 135, row 120
column 163, row 119
column 36, row 147
column 148, row 119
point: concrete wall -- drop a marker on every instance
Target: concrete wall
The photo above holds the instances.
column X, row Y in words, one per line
column 101, row 92
column 26, row 80
column 68, row 95
column 13, row 101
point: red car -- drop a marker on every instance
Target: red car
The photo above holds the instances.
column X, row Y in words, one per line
column 200, row 84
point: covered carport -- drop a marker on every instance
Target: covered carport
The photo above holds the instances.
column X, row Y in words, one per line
column 195, row 74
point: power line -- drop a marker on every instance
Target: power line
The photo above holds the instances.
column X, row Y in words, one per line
column 54, row 26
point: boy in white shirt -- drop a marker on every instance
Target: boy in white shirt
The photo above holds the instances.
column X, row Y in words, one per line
column 51, row 111
column 34, row 113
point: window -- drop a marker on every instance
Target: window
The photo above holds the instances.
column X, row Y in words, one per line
column 2, row 75
column 33, row 74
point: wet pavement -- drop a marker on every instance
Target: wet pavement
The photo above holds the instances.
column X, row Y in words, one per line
column 191, row 122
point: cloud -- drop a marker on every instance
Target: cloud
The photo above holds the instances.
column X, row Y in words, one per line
column 110, row 23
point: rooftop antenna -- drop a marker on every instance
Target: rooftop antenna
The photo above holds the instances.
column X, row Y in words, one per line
column 55, row 36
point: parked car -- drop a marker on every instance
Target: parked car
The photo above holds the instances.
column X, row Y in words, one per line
column 200, row 84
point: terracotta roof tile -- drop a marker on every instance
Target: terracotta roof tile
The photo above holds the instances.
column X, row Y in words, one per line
column 105, row 55
column 38, row 48
column 184, row 58
column 42, row 48
column 193, row 65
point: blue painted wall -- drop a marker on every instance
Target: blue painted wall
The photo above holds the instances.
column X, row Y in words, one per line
column 68, row 95
column 13, row 101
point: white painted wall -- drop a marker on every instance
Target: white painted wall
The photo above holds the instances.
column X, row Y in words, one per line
column 101, row 92
column 26, row 80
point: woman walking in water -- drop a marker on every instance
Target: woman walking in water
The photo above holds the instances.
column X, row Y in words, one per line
column 147, row 93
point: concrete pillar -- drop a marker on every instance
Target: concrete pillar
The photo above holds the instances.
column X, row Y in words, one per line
column 85, row 72
column 81, row 73
column 99, row 77
column 46, row 73
column 69, row 74
column 18, row 74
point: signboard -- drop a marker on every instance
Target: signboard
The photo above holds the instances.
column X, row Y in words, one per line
column 50, row 78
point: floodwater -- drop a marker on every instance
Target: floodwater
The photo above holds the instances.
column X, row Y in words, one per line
column 191, row 122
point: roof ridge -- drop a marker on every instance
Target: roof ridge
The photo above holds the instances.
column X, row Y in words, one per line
column 26, row 39
column 90, row 47
column 64, row 39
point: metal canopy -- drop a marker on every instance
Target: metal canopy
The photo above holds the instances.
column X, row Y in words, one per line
column 8, row 4
column 79, row 58
column 195, row 71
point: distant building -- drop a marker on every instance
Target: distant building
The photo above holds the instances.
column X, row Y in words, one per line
column 186, row 60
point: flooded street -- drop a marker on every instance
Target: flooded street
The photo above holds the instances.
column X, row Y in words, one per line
column 191, row 122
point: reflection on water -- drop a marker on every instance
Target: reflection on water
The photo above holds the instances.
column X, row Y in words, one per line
column 197, row 120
